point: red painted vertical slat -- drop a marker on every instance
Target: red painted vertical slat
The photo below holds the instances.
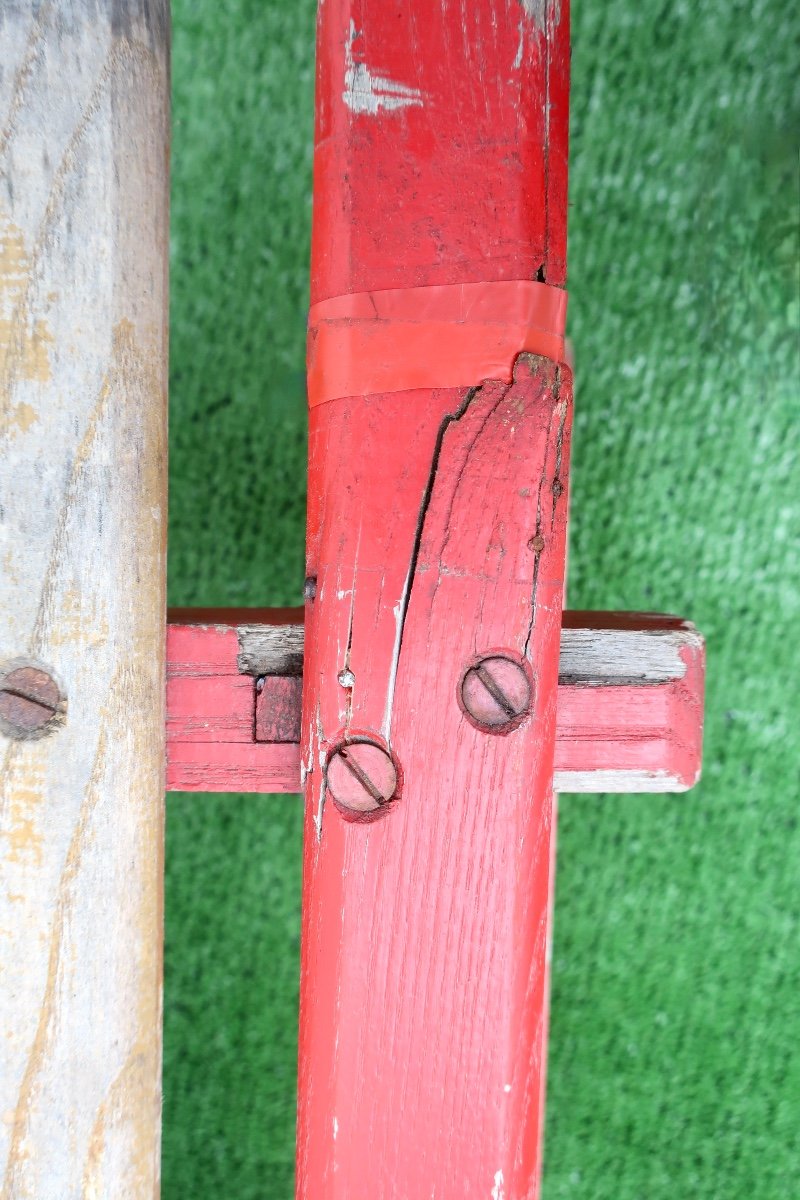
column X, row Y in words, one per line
column 440, row 159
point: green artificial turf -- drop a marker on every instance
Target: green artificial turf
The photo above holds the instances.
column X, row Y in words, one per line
column 674, row 1065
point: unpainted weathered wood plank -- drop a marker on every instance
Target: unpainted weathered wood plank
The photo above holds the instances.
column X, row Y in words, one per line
column 598, row 649
column 84, row 120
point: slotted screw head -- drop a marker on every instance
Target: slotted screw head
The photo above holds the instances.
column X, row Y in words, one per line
column 361, row 776
column 496, row 693
column 30, row 702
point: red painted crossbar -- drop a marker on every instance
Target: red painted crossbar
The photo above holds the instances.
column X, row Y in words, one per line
column 630, row 701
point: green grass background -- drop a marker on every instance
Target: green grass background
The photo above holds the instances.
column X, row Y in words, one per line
column 674, row 1065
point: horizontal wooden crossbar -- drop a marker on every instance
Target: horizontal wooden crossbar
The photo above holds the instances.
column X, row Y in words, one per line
column 630, row 701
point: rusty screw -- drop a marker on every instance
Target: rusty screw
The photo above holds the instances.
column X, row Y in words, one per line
column 361, row 777
column 496, row 693
column 30, row 702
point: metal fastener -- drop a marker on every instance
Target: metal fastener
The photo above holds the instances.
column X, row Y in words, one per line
column 496, row 693
column 536, row 544
column 30, row 702
column 361, row 776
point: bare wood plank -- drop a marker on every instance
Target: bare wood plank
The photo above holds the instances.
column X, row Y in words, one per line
column 605, row 649
column 84, row 112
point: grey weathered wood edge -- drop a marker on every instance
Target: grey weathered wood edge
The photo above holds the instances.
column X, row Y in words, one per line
column 607, row 657
column 619, row 783
column 591, row 656
column 84, row 129
column 271, row 649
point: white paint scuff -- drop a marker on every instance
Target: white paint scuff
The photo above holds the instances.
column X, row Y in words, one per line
column 398, row 619
column 366, row 92
column 517, row 63
column 536, row 11
column 498, row 1191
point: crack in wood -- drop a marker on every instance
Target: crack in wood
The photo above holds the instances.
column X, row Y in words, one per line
column 448, row 420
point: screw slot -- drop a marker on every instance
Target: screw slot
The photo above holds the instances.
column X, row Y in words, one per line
column 31, row 704
column 495, row 692
column 361, row 777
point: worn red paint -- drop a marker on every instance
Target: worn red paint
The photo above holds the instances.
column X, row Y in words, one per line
column 440, row 133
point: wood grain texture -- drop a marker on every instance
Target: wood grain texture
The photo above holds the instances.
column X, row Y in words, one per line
column 423, row 962
column 84, row 112
column 629, row 712
column 431, row 923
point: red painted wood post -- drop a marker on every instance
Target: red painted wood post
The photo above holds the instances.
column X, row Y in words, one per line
column 437, row 517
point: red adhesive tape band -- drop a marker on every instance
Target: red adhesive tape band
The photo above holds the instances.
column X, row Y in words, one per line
column 430, row 337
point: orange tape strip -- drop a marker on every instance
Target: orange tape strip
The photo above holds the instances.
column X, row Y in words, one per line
column 430, row 337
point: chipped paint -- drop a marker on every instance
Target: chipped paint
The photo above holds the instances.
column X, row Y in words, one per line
column 367, row 92
column 320, row 741
column 498, row 1191
column 517, row 63
column 399, row 612
column 536, row 12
